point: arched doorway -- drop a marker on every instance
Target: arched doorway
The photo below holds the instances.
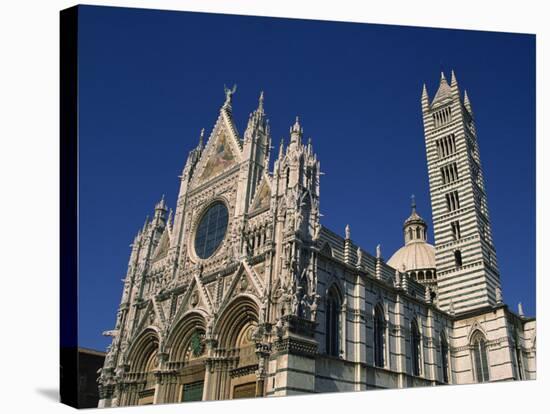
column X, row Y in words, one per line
column 187, row 356
column 140, row 379
column 236, row 330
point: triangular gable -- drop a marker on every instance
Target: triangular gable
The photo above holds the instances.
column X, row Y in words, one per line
column 243, row 281
column 164, row 244
column 221, row 152
column 195, row 297
column 262, row 198
column 146, row 318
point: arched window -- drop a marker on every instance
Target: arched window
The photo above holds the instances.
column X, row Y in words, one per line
column 410, row 233
column 444, row 348
column 458, row 258
column 421, row 275
column 418, row 232
column 479, row 357
column 429, row 274
column 379, row 336
column 333, row 323
column 415, row 348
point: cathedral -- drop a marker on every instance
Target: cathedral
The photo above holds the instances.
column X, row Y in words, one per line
column 241, row 292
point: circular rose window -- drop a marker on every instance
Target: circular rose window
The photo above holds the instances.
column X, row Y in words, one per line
column 211, row 230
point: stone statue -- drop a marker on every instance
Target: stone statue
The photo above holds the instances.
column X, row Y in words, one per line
column 314, row 306
column 303, row 307
column 210, row 327
column 317, row 231
column 378, row 251
column 348, row 232
column 397, row 280
column 229, row 93
column 295, row 302
column 290, row 223
column 298, row 220
column 279, row 328
column 263, row 307
column 359, row 256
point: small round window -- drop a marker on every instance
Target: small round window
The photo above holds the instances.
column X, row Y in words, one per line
column 211, row 230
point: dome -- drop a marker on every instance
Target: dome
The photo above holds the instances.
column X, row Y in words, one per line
column 417, row 253
column 413, row 256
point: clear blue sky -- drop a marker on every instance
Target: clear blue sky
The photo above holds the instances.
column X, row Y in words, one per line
column 150, row 80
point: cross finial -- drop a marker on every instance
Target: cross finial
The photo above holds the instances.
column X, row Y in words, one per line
column 413, row 202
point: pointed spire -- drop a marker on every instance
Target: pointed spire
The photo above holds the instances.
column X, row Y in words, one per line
column 454, row 86
column 281, row 148
column 296, row 127
column 161, row 205
column 201, row 139
column 296, row 131
column 261, row 102
column 170, row 215
column 145, row 224
column 424, row 92
column 467, row 103
column 425, row 100
column 444, row 91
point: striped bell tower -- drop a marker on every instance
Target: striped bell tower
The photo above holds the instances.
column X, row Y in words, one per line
column 467, row 271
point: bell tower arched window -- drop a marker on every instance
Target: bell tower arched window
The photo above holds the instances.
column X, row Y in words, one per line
column 458, row 258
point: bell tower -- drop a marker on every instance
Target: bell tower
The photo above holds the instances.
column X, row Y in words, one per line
column 468, row 275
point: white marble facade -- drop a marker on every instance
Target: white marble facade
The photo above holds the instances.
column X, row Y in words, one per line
column 241, row 292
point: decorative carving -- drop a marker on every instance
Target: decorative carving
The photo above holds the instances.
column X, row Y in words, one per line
column 194, row 300
column 244, row 283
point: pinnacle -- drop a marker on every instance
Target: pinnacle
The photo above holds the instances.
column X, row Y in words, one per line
column 453, row 78
column 296, row 128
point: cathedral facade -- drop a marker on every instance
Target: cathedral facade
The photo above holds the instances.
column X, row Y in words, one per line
column 241, row 292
